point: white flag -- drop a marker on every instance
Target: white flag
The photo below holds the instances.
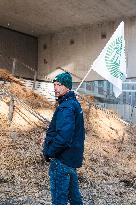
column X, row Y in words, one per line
column 111, row 63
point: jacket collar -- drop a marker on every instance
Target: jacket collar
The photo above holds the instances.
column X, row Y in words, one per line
column 68, row 95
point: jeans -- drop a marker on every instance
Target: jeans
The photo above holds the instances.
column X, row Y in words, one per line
column 64, row 184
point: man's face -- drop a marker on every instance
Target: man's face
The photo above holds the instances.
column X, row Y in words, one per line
column 60, row 89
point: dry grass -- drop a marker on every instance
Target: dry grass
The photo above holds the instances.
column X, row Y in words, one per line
column 110, row 156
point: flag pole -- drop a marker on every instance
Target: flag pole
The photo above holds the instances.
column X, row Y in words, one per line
column 84, row 79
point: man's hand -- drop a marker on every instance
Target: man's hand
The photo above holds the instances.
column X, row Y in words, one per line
column 47, row 158
column 44, row 158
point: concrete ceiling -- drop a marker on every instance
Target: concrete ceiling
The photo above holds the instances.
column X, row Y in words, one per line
column 37, row 17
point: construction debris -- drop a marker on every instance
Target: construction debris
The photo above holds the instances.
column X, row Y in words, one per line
column 109, row 170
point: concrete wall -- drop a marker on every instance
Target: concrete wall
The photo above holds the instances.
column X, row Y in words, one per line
column 76, row 49
column 20, row 46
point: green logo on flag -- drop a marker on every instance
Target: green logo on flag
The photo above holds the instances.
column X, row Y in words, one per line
column 112, row 58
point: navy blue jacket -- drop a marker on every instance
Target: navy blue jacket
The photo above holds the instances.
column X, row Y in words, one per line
column 65, row 135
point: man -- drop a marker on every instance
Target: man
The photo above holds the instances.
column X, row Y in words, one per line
column 64, row 144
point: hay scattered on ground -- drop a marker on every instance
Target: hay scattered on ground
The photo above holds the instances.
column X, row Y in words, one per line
column 17, row 89
column 109, row 169
column 7, row 76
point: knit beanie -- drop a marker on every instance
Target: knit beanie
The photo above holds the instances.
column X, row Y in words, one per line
column 65, row 79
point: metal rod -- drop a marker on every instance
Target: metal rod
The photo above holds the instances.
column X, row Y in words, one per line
column 84, row 79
